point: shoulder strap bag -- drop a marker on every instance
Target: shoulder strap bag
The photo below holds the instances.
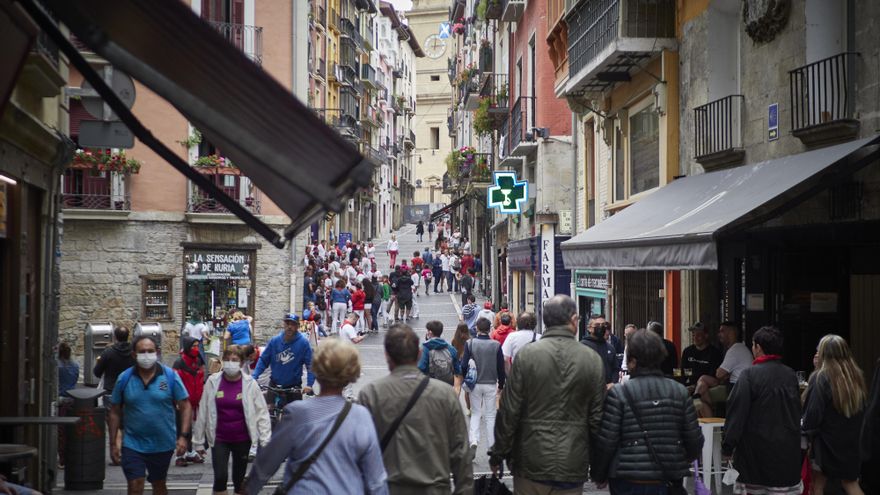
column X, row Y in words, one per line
column 306, row 464
column 386, row 439
column 674, row 486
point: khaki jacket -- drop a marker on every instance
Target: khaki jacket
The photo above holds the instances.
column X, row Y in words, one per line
column 551, row 409
column 431, row 442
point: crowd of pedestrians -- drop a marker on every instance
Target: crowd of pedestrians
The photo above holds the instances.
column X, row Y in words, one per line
column 557, row 413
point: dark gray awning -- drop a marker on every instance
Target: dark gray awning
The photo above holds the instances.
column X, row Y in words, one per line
column 676, row 227
column 304, row 166
column 448, row 208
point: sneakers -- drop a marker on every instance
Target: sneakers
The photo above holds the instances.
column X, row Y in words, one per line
column 194, row 458
column 181, row 462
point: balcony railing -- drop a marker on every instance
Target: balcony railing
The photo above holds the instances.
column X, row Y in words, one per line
column 469, row 89
column 718, row 131
column 93, row 190
column 522, row 120
column 321, row 69
column 44, row 45
column 248, row 39
column 822, row 101
column 495, row 86
column 368, row 75
column 594, row 25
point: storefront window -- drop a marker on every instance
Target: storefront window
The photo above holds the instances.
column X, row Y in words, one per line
column 218, row 283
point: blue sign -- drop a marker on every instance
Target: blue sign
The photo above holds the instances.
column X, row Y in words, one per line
column 773, row 122
column 508, row 194
column 445, row 30
column 343, row 238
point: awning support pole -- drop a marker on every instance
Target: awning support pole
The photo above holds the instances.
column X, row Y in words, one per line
column 144, row 134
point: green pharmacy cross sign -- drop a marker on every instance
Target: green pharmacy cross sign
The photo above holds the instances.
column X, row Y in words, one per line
column 508, row 194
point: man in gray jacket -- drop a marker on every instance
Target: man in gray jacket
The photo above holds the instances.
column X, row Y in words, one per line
column 551, row 408
column 432, row 439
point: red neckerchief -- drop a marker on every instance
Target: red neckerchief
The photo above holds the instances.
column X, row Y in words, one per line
column 767, row 357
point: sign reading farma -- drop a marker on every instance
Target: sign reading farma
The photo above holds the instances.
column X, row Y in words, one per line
column 508, row 194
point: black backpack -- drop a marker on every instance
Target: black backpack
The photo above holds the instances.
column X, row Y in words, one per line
column 440, row 365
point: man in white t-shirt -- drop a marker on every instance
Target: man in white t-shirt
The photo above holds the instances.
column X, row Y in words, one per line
column 525, row 334
column 737, row 357
column 348, row 331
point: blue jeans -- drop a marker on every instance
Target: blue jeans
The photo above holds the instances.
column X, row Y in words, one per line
column 626, row 487
column 374, row 312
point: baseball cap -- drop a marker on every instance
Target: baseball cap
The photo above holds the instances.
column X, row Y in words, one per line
column 290, row 317
column 696, row 326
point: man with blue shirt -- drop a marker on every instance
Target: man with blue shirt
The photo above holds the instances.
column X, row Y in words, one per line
column 287, row 353
column 144, row 400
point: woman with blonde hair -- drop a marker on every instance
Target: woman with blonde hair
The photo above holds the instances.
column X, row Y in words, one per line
column 833, row 414
column 351, row 460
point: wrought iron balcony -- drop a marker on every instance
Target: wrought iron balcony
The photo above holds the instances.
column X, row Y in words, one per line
column 823, row 100
column 496, row 88
column 451, row 121
column 321, row 69
column 368, row 76
column 609, row 38
column 469, row 90
column 522, row 121
column 94, row 190
column 248, row 39
column 718, row 132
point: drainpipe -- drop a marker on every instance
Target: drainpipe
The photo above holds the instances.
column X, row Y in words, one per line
column 574, row 189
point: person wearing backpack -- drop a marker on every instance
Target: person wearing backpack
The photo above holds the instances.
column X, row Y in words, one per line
column 484, row 354
column 144, row 400
column 439, row 359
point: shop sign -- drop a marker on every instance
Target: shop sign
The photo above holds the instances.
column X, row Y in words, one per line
column 218, row 265
column 521, row 255
column 548, row 263
column 591, row 280
column 773, row 122
column 508, row 194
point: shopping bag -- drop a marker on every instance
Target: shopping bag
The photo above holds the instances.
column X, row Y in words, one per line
column 731, row 475
column 699, row 487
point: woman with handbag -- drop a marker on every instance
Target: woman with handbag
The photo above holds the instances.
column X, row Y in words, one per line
column 649, row 433
column 329, row 444
column 833, row 415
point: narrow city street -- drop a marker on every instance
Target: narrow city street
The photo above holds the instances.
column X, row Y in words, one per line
column 446, row 307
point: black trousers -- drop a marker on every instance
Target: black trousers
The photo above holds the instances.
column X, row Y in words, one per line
column 220, row 461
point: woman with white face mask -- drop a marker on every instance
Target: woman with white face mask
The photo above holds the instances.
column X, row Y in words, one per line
column 232, row 415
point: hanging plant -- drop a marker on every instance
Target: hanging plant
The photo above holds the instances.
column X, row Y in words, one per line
column 105, row 161
column 194, row 139
column 482, row 120
column 481, row 9
column 481, row 171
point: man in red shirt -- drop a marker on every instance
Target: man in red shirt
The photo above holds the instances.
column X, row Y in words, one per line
column 417, row 262
column 467, row 262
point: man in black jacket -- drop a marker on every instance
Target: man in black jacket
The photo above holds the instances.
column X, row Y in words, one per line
column 762, row 430
column 113, row 361
column 596, row 341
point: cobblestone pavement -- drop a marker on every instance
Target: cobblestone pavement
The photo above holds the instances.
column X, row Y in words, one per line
column 445, row 307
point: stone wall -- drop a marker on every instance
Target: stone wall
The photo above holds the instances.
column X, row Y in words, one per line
column 102, row 262
column 764, row 79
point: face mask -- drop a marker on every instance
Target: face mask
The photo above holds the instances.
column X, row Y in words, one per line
column 231, row 368
column 147, row 360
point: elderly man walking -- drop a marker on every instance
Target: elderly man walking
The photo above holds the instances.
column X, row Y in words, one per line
column 551, row 408
column 420, row 423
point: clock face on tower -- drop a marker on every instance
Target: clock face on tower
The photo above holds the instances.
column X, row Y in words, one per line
column 435, row 46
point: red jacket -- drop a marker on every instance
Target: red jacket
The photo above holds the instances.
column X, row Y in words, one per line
column 192, row 373
column 357, row 300
column 501, row 332
column 467, row 262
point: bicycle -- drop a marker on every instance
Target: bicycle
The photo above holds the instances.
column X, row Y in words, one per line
column 277, row 398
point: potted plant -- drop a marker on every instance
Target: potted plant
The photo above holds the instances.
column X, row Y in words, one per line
column 482, row 120
column 459, row 28
column 216, row 164
column 100, row 160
